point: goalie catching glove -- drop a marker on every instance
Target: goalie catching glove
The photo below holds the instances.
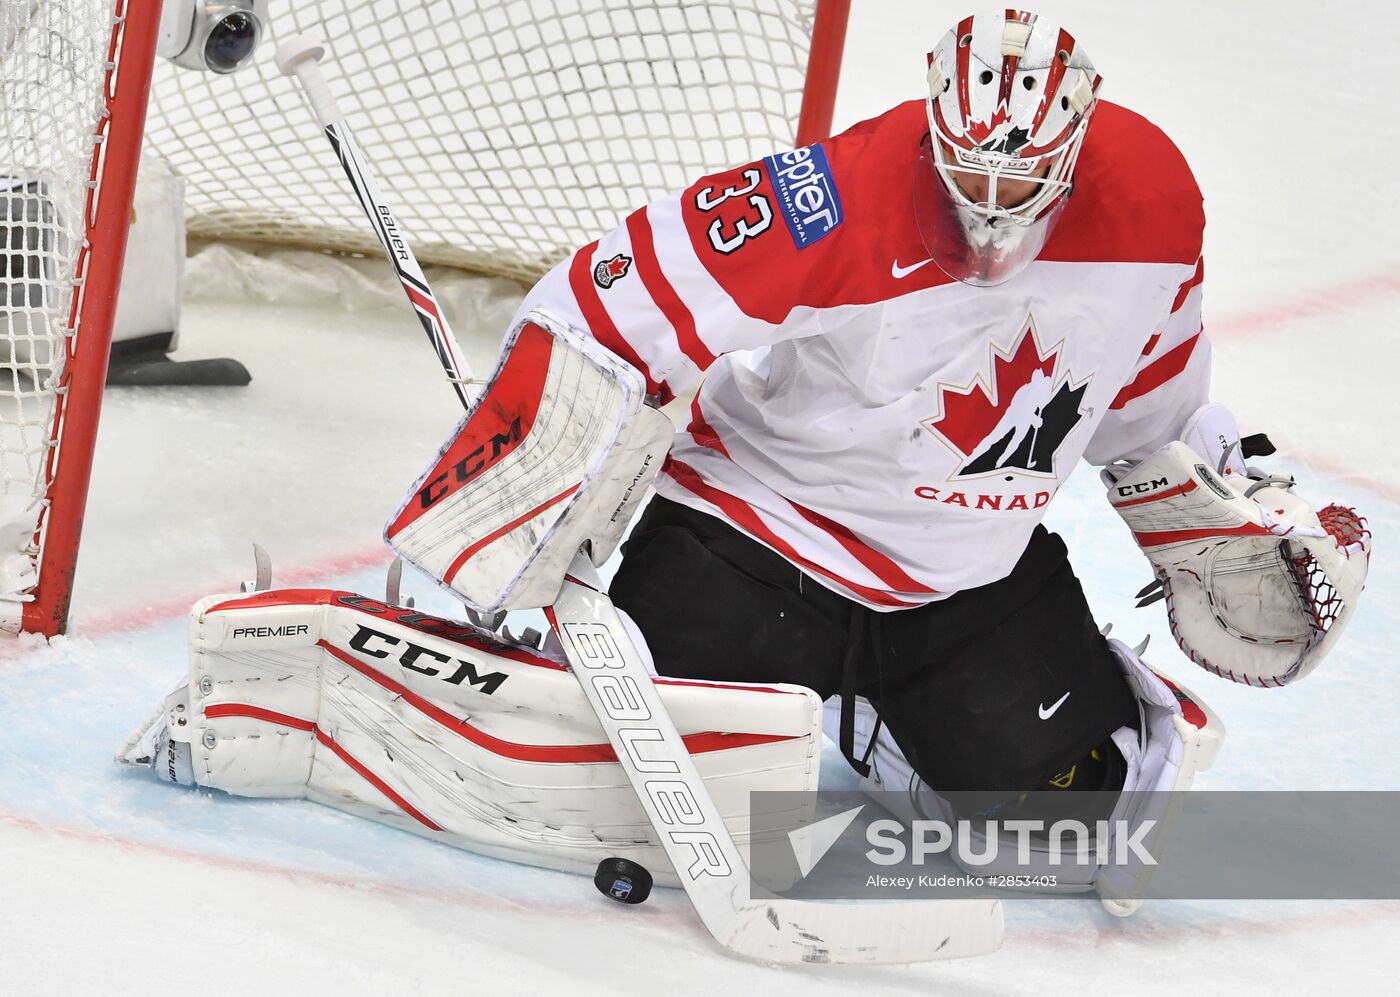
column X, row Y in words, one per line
column 556, row 453
column 1258, row 585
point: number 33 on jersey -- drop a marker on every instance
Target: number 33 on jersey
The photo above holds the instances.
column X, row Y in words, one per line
column 799, row 181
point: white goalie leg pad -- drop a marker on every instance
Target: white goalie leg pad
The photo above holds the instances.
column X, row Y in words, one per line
column 1258, row 585
column 557, row 452
column 1178, row 737
column 444, row 730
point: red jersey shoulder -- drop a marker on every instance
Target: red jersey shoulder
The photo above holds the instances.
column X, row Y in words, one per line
column 1135, row 199
column 821, row 226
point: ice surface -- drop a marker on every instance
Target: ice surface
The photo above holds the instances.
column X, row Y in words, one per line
column 112, row 884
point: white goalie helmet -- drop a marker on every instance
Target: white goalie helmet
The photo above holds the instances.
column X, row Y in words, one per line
column 1010, row 98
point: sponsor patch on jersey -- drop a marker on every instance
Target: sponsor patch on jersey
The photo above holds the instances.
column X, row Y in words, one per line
column 610, row 270
column 806, row 193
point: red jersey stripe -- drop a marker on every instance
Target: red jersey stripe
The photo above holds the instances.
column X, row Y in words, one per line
column 879, row 564
column 663, row 293
column 1158, row 372
column 701, row 431
column 1193, row 281
column 600, row 323
column 746, row 516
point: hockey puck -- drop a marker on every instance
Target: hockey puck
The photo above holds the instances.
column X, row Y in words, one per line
column 622, row 880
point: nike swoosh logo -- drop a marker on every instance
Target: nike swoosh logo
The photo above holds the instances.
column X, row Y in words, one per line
column 897, row 271
column 1047, row 714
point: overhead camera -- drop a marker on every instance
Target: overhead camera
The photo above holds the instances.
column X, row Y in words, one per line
column 218, row 37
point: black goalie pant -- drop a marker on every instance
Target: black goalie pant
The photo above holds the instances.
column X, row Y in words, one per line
column 997, row 688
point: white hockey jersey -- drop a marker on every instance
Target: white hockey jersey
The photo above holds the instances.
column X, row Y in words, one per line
column 894, row 433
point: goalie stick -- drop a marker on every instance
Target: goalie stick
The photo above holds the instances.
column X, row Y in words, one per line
column 299, row 56
column 618, row 688
column 690, row 827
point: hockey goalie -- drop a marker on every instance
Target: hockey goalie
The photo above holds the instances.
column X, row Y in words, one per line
column 911, row 334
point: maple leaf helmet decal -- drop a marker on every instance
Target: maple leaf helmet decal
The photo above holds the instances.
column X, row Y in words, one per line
column 1010, row 96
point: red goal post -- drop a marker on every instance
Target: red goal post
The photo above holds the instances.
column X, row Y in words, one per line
column 74, row 79
column 823, row 71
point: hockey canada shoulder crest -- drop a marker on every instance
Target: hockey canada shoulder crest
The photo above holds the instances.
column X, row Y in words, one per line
column 611, row 270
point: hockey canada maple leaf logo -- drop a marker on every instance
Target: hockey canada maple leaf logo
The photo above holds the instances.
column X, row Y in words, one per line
column 610, row 270
column 1016, row 421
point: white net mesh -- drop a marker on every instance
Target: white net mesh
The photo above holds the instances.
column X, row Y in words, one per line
column 53, row 65
column 505, row 134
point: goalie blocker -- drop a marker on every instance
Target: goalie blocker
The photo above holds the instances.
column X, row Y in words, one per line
column 556, row 454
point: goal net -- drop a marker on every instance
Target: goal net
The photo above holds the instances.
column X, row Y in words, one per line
column 510, row 132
